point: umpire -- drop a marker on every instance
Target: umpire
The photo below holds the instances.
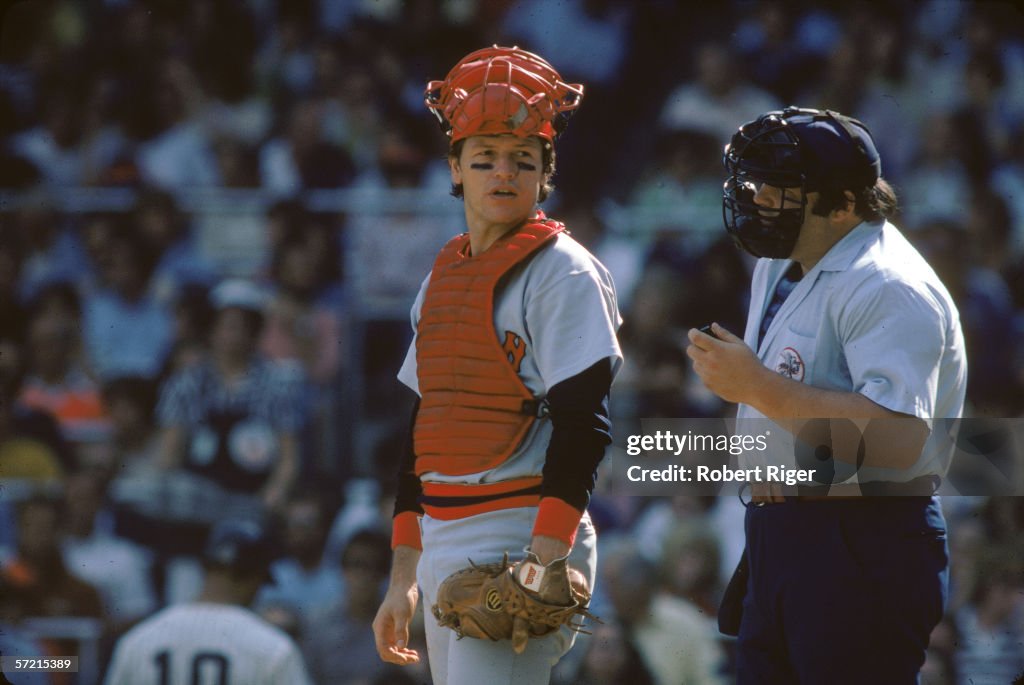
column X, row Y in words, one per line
column 848, row 325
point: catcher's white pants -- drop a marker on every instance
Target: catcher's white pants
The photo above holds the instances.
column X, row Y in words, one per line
column 447, row 547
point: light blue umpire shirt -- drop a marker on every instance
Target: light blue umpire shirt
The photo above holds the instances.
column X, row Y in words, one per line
column 870, row 317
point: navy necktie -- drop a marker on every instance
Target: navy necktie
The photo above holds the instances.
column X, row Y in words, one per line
column 782, row 291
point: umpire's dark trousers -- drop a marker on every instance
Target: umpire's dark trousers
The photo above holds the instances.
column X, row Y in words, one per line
column 844, row 591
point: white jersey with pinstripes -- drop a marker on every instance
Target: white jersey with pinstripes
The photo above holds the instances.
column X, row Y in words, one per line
column 194, row 644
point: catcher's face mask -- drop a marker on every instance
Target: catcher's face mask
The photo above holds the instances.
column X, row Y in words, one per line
column 797, row 149
column 503, row 90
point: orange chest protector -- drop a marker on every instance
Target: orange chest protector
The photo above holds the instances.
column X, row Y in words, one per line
column 474, row 409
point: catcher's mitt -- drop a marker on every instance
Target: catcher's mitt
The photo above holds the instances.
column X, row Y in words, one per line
column 513, row 601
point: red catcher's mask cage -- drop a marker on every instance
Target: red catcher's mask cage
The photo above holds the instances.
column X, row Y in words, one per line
column 503, row 90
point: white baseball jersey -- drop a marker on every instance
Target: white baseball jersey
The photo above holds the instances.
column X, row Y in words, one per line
column 870, row 317
column 206, row 644
column 557, row 314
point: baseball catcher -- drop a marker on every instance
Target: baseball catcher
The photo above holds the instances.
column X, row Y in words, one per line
column 514, row 353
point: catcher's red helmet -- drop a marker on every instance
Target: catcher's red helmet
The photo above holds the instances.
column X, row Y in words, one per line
column 503, row 90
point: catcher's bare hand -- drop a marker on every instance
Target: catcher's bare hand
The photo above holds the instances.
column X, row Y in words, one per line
column 391, row 626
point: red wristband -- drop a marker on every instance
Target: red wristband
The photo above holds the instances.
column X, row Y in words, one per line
column 405, row 530
column 557, row 519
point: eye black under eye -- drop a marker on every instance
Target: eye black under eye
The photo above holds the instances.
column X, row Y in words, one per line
column 481, row 165
column 528, row 166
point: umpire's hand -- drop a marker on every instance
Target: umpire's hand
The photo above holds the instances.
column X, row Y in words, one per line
column 726, row 365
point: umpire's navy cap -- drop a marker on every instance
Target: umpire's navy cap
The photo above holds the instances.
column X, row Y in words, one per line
column 835, row 147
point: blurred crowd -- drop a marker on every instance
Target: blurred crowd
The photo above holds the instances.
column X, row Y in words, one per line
column 150, row 383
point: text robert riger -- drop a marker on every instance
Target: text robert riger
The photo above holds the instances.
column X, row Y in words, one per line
column 719, row 474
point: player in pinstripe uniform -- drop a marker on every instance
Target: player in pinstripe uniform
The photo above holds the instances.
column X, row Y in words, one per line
column 215, row 639
column 515, row 349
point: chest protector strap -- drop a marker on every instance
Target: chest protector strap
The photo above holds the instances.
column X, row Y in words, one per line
column 475, row 410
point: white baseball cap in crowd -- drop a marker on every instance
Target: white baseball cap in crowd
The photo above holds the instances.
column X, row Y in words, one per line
column 240, row 293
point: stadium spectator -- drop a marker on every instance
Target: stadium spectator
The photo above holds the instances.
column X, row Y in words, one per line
column 690, row 567
column 236, row 163
column 937, row 184
column 282, row 615
column 37, row 577
column 354, row 108
column 302, row 158
column 12, row 312
column 60, row 301
column 888, row 98
column 991, row 626
column 682, row 192
column 15, row 642
column 31, row 446
column 54, row 145
column 302, row 577
column 105, row 151
column 166, row 234
column 231, row 108
column 297, row 327
column 57, row 382
column 127, row 330
column 50, row 253
column 986, row 313
column 676, row 642
column 193, row 315
column 303, row 325
column 236, row 417
column 117, row 568
column 174, row 151
column 664, row 516
column 611, row 658
column 285, row 61
column 765, row 40
column 653, row 383
column 130, row 403
column 1008, row 182
column 718, row 100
